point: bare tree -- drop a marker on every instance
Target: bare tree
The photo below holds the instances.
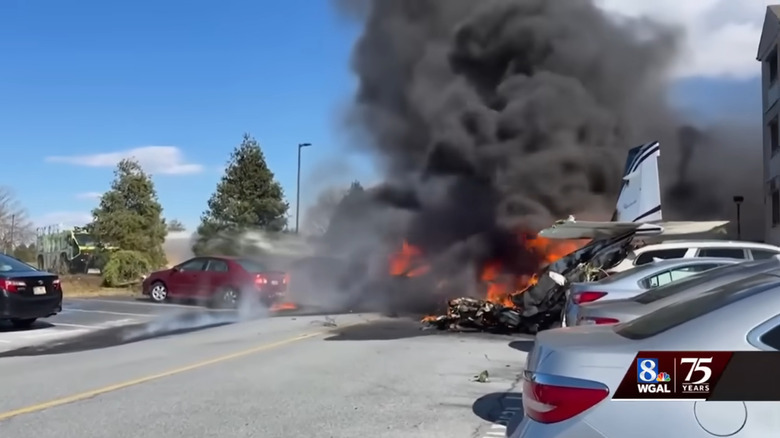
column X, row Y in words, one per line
column 15, row 225
column 317, row 217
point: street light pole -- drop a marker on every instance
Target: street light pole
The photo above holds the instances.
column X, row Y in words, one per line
column 298, row 188
column 738, row 200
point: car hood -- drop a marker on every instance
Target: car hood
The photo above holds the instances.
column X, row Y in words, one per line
column 161, row 273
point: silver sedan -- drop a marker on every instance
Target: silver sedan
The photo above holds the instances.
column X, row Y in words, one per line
column 630, row 283
column 572, row 373
column 615, row 311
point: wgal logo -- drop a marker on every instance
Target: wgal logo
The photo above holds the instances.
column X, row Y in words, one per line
column 646, row 370
column 649, row 378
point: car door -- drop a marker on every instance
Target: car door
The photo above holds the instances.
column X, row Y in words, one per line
column 184, row 278
column 216, row 276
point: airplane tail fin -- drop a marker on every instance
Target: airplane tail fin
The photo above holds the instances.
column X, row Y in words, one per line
column 640, row 194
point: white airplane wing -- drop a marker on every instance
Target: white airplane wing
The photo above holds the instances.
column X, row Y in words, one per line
column 602, row 230
column 638, row 208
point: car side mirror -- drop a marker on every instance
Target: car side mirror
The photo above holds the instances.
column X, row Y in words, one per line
column 175, row 269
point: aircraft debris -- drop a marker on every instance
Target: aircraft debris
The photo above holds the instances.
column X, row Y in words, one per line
column 472, row 313
column 482, row 377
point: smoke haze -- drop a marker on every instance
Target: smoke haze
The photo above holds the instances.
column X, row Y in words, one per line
column 493, row 116
column 520, row 112
column 497, row 115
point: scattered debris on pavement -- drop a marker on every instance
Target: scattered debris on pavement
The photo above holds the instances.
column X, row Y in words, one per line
column 329, row 322
column 471, row 313
column 482, row 377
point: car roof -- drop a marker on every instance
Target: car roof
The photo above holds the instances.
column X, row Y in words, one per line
column 707, row 244
column 667, row 263
column 719, row 318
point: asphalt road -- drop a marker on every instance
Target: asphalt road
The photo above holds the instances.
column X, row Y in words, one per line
column 80, row 316
column 266, row 377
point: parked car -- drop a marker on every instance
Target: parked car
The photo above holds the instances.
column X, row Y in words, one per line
column 218, row 281
column 630, row 283
column 571, row 373
column 615, row 311
column 678, row 249
column 26, row 293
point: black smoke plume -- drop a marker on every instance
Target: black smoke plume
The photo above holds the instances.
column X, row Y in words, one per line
column 496, row 115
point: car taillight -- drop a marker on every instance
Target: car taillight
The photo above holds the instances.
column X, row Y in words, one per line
column 587, row 297
column 552, row 403
column 11, row 285
column 56, row 283
column 286, row 279
column 593, row 320
column 260, row 280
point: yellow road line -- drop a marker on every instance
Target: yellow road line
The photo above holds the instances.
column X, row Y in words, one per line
column 117, row 386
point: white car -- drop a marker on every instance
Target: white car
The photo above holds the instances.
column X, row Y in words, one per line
column 677, row 249
column 572, row 374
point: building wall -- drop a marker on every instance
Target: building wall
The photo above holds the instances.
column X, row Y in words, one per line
column 771, row 126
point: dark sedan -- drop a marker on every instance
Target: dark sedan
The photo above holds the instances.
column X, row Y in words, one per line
column 26, row 293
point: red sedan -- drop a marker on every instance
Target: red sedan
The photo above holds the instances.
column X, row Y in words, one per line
column 219, row 281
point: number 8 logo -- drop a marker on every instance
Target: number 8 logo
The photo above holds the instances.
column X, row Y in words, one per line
column 648, row 370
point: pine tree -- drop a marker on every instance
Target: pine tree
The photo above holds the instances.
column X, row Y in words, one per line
column 348, row 215
column 247, row 198
column 130, row 216
column 175, row 225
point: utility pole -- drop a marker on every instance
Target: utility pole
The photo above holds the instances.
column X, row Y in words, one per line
column 11, row 240
column 298, row 188
column 738, row 200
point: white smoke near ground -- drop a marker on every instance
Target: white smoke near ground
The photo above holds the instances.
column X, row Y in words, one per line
column 249, row 308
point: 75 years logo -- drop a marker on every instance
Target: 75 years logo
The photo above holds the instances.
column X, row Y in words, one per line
column 672, row 375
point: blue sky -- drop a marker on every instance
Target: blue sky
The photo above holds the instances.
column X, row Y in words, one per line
column 98, row 77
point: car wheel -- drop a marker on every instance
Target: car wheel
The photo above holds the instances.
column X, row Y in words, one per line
column 24, row 323
column 159, row 292
column 227, row 298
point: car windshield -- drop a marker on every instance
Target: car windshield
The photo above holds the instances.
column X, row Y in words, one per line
column 84, row 239
column 10, row 264
column 638, row 271
column 251, row 265
column 694, row 280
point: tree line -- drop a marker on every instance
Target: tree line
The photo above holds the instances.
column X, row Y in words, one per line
column 129, row 216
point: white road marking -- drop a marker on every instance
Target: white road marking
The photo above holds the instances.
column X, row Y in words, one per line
column 135, row 303
column 499, row 427
column 106, row 312
column 43, row 333
column 149, row 304
column 62, row 324
column 119, row 322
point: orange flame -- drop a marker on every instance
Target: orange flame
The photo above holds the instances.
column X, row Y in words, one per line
column 405, row 261
column 501, row 283
column 277, row 307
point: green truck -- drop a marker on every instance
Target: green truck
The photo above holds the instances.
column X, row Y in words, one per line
column 67, row 251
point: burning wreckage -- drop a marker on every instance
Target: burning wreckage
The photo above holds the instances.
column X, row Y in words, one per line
column 534, row 304
column 539, row 304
